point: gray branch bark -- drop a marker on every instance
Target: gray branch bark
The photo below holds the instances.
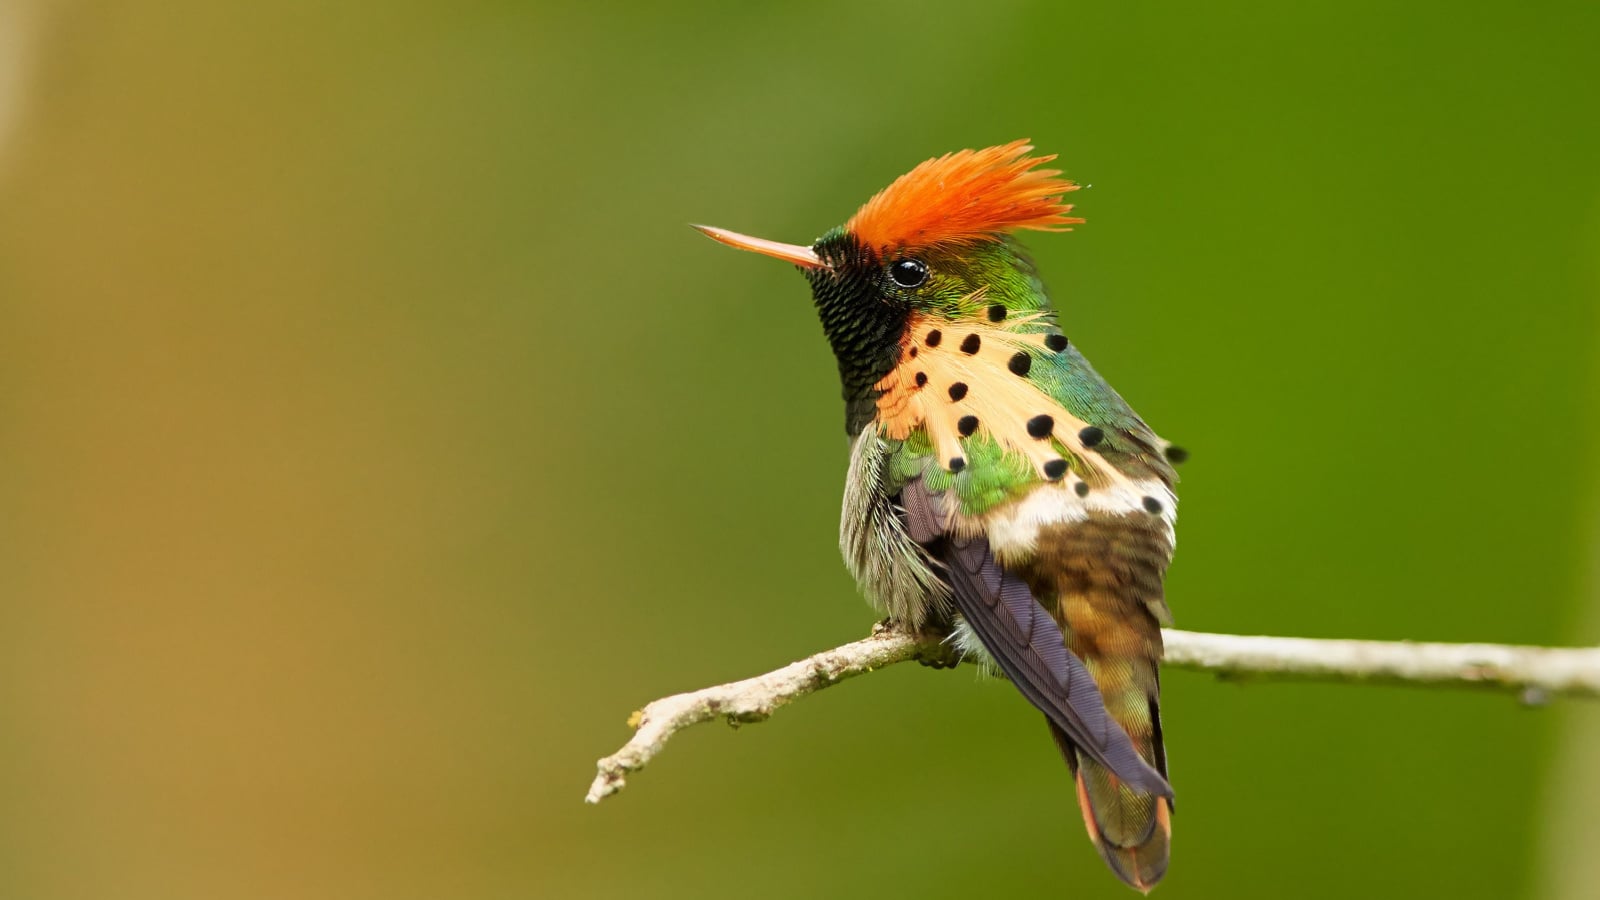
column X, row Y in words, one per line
column 1534, row 672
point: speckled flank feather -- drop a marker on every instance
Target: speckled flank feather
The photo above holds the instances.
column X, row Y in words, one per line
column 968, row 379
column 891, row 569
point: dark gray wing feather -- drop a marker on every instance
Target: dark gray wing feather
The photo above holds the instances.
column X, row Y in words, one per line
column 924, row 514
column 1026, row 642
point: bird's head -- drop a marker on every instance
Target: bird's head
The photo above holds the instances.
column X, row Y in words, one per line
column 936, row 243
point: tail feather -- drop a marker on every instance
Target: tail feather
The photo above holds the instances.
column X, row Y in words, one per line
column 1131, row 829
column 1104, row 575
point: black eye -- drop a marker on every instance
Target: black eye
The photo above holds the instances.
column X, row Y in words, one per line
column 909, row 273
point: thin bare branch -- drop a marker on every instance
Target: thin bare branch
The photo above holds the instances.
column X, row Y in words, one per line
column 1535, row 672
column 750, row 700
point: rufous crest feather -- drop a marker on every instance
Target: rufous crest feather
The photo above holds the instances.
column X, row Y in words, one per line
column 966, row 196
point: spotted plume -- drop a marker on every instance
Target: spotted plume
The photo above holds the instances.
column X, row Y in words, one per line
column 969, row 379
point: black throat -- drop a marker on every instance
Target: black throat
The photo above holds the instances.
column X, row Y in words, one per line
column 862, row 319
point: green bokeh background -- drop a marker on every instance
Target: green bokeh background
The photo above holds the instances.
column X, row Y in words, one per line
column 376, row 436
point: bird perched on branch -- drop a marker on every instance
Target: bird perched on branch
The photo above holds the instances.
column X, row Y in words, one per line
column 998, row 487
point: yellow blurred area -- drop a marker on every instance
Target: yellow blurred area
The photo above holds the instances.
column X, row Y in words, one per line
column 240, row 665
column 375, row 437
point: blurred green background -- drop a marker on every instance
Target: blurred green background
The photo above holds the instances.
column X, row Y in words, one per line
column 376, row 436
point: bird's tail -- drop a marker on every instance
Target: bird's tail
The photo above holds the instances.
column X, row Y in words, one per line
column 1132, row 829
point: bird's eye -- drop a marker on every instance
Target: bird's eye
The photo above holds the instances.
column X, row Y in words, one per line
column 909, row 273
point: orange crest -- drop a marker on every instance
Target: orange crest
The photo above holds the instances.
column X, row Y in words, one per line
column 966, row 196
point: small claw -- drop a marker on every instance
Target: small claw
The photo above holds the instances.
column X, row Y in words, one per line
column 939, row 652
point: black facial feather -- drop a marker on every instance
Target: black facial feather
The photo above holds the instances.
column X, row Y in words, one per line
column 863, row 322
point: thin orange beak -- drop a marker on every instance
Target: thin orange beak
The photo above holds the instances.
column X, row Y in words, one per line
column 800, row 256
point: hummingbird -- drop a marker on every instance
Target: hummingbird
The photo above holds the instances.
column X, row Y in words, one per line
column 999, row 491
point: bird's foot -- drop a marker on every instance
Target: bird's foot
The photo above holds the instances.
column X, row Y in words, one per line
column 938, row 650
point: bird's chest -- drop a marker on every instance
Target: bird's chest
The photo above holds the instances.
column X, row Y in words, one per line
column 890, row 568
